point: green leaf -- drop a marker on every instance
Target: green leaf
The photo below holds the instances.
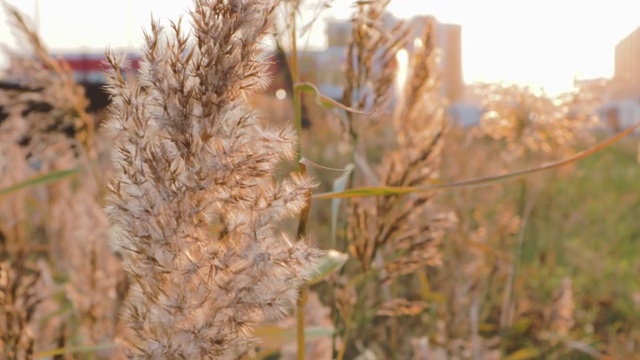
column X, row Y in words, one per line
column 484, row 181
column 324, row 100
column 41, row 179
column 523, row 354
column 274, row 336
column 339, row 185
column 310, row 163
column 369, row 191
column 304, row 213
column 332, row 261
column 74, row 350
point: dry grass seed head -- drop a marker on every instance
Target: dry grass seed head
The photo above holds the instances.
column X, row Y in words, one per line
column 371, row 66
column 190, row 151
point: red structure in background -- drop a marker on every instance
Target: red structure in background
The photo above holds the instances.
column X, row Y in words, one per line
column 89, row 70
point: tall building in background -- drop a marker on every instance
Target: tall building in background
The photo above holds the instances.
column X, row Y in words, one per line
column 627, row 65
column 621, row 95
column 338, row 33
column 448, row 39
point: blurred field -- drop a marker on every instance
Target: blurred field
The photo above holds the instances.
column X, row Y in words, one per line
column 581, row 227
column 539, row 267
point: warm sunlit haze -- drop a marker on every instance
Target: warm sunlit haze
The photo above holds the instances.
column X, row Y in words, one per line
column 540, row 43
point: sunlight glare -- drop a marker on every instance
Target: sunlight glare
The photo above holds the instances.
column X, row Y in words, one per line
column 402, row 57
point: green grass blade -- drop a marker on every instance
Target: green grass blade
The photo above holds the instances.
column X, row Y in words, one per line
column 325, row 101
column 484, row 181
column 339, row 185
column 274, row 336
column 310, row 163
column 74, row 350
column 523, row 354
column 40, row 179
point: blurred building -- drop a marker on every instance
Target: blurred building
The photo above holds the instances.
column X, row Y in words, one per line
column 89, row 68
column 621, row 106
column 448, row 38
column 627, row 65
column 338, row 33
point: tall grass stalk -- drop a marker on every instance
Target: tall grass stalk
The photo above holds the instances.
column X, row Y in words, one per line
column 297, row 120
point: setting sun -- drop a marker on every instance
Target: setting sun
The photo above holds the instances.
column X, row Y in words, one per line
column 537, row 43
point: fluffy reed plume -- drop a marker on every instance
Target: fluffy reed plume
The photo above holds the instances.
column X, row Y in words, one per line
column 393, row 236
column 370, row 67
column 47, row 129
column 52, row 78
column 194, row 192
column 406, row 226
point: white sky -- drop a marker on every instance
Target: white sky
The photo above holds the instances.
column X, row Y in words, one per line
column 540, row 43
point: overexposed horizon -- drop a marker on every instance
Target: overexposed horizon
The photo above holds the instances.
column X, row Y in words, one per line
column 543, row 43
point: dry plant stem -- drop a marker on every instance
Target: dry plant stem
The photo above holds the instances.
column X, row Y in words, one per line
column 474, row 319
column 343, row 348
column 393, row 336
column 77, row 101
column 297, row 106
column 300, row 336
column 304, row 290
column 387, row 235
column 527, row 202
column 295, row 76
column 61, row 136
column 357, row 76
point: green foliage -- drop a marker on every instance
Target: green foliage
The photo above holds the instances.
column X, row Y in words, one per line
column 40, row 179
column 584, row 225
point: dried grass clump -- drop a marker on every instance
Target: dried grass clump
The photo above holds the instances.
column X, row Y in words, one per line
column 391, row 237
column 46, row 130
column 194, row 193
column 531, row 122
column 481, row 279
column 370, row 68
column 50, row 85
column 411, row 223
column 405, row 230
